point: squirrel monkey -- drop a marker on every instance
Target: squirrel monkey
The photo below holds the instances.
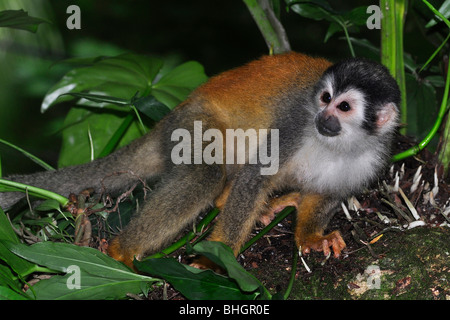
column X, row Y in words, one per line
column 334, row 125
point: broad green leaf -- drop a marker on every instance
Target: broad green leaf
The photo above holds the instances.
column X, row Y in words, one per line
column 175, row 86
column 315, row 9
column 76, row 148
column 6, row 231
column 357, row 16
column 99, row 276
column 10, row 286
column 332, row 29
column 193, row 283
column 115, row 84
column 48, row 205
column 222, row 255
column 60, row 256
column 119, row 77
column 151, row 107
column 114, row 140
column 9, row 294
column 19, row 19
column 7, row 234
column 92, row 287
column 19, row 265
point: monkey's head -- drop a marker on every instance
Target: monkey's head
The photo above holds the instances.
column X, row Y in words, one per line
column 357, row 98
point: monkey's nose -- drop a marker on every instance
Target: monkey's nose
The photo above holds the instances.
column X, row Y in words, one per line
column 328, row 125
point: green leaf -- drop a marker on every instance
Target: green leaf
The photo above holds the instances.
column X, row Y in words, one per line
column 151, row 107
column 205, row 284
column 99, row 98
column 115, row 84
column 76, row 148
column 444, row 10
column 6, row 231
column 20, row 266
column 118, row 135
column 332, row 29
column 175, row 86
column 223, row 256
column 92, row 287
column 7, row 235
column 8, row 294
column 315, row 9
column 119, row 77
column 193, row 283
column 100, row 276
column 48, row 205
column 357, row 16
column 59, row 256
column 19, row 19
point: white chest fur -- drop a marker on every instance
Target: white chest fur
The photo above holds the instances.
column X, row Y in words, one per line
column 319, row 169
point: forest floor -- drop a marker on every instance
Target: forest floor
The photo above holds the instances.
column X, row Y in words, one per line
column 393, row 251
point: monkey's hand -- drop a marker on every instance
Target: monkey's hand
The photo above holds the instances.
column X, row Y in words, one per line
column 204, row 263
column 117, row 252
column 277, row 205
column 319, row 243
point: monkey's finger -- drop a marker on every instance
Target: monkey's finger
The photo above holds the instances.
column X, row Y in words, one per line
column 306, row 250
column 338, row 245
column 326, row 247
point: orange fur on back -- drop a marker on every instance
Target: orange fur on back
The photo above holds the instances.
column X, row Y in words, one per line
column 237, row 96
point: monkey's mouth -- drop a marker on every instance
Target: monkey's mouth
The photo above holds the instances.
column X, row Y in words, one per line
column 328, row 126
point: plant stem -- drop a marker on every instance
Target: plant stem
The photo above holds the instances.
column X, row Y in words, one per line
column 443, row 109
column 270, row 27
column 175, row 246
column 280, row 216
column 41, row 193
column 400, row 13
column 392, row 46
column 114, row 141
column 295, row 255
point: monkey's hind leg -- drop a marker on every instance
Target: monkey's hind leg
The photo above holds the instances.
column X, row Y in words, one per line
column 182, row 194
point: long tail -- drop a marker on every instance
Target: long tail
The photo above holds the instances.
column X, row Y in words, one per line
column 114, row 173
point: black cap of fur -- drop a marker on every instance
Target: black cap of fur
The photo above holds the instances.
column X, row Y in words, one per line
column 372, row 79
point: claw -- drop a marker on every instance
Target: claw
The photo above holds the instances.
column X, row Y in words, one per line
column 323, row 243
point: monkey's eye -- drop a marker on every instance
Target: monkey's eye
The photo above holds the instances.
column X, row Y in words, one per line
column 326, row 97
column 344, row 106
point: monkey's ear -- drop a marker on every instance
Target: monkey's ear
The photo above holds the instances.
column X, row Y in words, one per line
column 387, row 117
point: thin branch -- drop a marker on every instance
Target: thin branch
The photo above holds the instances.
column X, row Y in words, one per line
column 269, row 25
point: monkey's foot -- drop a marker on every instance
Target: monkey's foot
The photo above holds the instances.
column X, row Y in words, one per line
column 278, row 204
column 204, row 263
column 322, row 243
column 116, row 252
